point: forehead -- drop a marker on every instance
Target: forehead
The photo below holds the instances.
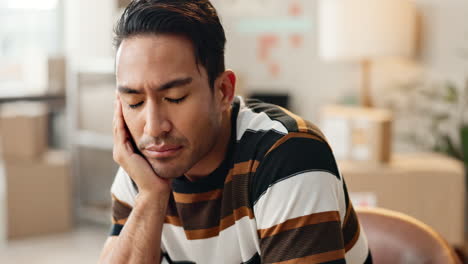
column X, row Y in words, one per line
column 161, row 56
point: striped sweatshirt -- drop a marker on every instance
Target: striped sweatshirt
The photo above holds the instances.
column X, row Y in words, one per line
column 277, row 197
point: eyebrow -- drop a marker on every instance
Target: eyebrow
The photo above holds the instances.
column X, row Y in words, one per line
column 166, row 86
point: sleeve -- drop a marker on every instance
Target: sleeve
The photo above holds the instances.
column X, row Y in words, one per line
column 123, row 194
column 300, row 205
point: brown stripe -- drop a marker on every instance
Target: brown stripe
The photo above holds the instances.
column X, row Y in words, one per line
column 225, row 223
column 173, row 220
column 202, row 233
column 307, row 240
column 121, row 202
column 293, row 135
column 197, row 197
column 299, row 222
column 119, row 222
column 301, row 124
column 305, row 126
column 120, row 210
column 239, row 213
column 242, row 168
column 317, row 258
column 314, row 129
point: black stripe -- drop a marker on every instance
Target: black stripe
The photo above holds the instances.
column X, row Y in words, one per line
column 345, row 188
column 254, row 260
column 253, row 145
column 235, row 194
column 171, row 206
column 278, row 114
column 170, row 261
column 200, row 215
column 119, row 210
column 369, row 258
column 207, row 214
column 294, row 156
column 350, row 228
column 116, row 229
column 314, row 239
column 135, row 186
column 274, row 112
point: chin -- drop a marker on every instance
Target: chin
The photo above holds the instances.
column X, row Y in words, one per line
column 168, row 172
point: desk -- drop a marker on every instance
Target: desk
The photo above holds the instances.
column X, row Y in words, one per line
column 427, row 186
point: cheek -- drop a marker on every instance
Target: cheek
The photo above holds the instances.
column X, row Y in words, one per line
column 196, row 121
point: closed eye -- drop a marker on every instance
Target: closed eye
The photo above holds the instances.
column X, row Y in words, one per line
column 176, row 100
column 133, row 106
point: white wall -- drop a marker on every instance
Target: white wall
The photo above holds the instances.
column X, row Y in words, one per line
column 89, row 29
column 310, row 81
column 313, row 82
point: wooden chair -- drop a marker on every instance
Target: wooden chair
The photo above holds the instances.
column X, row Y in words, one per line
column 396, row 238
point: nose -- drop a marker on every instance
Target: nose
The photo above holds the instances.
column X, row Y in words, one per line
column 157, row 121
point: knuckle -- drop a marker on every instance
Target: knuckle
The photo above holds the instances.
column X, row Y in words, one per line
column 117, row 157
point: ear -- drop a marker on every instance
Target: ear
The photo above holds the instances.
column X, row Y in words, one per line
column 225, row 87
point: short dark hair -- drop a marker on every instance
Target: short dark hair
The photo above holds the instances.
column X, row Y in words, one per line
column 195, row 19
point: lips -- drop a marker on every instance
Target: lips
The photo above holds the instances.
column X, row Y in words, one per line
column 162, row 151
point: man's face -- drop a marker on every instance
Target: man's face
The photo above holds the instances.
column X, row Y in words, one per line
column 168, row 106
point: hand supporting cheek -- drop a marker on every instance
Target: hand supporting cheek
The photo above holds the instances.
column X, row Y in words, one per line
column 133, row 163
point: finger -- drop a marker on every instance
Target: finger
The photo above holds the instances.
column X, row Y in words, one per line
column 120, row 134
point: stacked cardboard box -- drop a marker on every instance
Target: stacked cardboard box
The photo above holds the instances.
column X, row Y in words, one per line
column 38, row 188
column 358, row 133
column 427, row 186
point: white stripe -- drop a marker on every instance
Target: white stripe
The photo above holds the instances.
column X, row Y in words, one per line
column 235, row 244
column 358, row 253
column 302, row 194
column 249, row 120
column 123, row 189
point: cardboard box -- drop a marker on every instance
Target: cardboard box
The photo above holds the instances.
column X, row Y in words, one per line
column 23, row 131
column 429, row 187
column 358, row 133
column 38, row 196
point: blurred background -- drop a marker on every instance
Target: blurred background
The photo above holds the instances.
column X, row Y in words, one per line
column 386, row 80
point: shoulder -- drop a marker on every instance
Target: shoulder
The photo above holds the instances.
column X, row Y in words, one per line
column 284, row 144
column 301, row 156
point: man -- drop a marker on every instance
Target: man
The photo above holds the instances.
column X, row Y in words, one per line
column 205, row 176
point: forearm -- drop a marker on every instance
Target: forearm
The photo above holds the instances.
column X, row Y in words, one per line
column 140, row 239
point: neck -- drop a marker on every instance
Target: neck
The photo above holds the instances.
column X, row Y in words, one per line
column 217, row 154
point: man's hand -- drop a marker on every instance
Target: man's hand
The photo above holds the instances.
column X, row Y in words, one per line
column 140, row 240
column 133, row 163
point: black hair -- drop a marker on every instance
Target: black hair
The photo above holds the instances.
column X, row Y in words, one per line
column 195, row 19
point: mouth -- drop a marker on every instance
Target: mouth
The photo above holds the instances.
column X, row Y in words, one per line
column 162, row 151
